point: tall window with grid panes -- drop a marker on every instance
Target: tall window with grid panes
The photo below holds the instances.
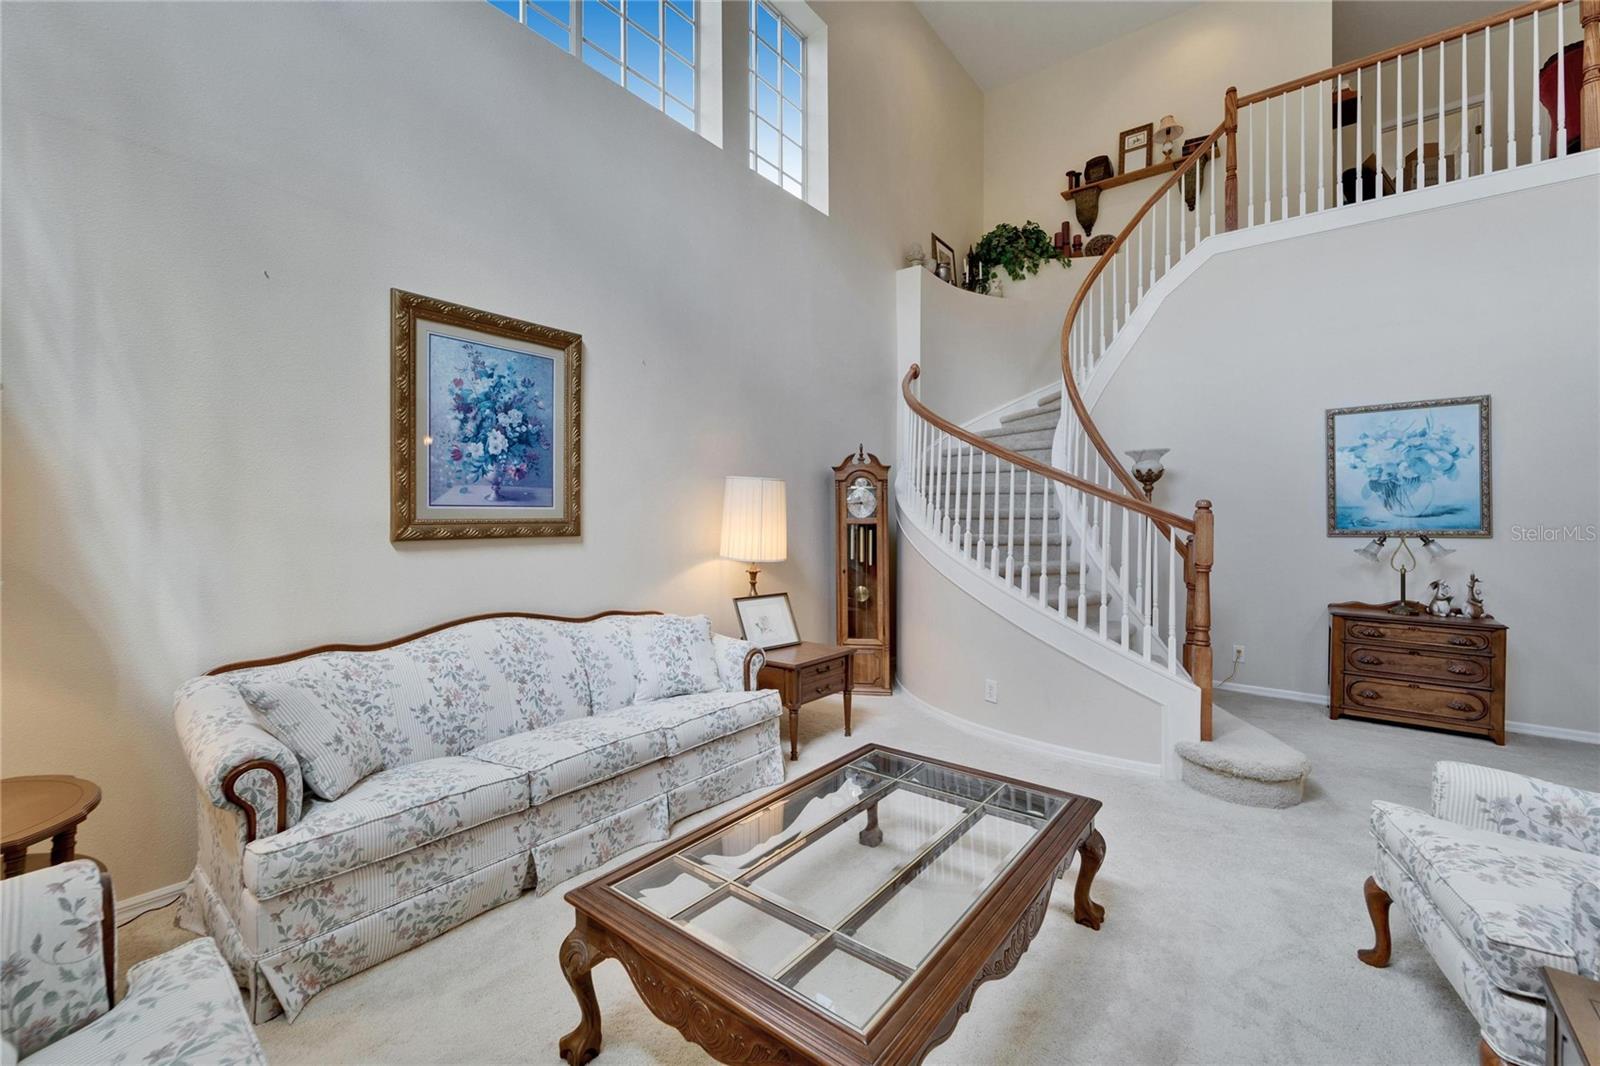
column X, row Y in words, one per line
column 650, row 47
column 777, row 99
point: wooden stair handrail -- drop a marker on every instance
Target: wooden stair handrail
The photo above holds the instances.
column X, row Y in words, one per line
column 1089, row 428
column 1149, row 510
column 1465, row 29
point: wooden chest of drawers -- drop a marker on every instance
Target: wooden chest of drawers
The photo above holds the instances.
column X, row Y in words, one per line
column 1446, row 673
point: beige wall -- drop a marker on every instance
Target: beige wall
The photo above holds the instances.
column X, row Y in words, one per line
column 1260, row 342
column 205, row 208
column 1051, row 121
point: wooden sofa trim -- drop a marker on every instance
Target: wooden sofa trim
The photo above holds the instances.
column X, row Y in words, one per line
column 276, row 771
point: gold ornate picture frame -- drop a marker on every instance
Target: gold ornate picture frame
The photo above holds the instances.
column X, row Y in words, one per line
column 485, row 416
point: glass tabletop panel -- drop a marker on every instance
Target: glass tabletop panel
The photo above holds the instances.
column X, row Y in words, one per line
column 1029, row 801
column 734, row 851
column 846, row 986
column 953, row 781
column 668, row 887
column 757, row 936
column 911, row 916
column 886, row 763
column 836, row 872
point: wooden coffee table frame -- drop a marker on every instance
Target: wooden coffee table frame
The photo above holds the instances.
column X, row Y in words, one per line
column 738, row 1016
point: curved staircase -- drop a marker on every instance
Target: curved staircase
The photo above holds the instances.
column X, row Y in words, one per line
column 1041, row 503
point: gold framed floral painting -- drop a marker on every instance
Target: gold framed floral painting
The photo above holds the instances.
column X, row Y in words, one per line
column 485, row 424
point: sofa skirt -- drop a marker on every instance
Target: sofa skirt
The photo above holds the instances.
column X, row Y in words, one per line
column 1513, row 1025
column 285, row 949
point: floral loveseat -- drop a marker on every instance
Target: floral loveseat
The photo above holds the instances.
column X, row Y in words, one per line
column 1502, row 879
column 58, row 948
column 355, row 802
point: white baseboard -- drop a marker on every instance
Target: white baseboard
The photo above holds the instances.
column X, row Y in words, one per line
column 1532, row 729
column 1073, row 755
column 130, row 908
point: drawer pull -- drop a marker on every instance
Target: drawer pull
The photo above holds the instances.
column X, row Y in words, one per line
column 1460, row 642
column 1369, row 660
column 1459, row 705
column 1459, row 669
column 1367, row 694
column 1367, row 631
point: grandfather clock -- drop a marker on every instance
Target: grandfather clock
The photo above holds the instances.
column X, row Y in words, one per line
column 864, row 596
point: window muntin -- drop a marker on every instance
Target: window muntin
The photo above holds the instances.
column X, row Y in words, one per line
column 647, row 46
column 777, row 99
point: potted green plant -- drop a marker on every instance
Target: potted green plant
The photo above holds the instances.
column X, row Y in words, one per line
column 1021, row 251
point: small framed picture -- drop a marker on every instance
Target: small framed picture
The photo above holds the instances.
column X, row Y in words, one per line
column 1130, row 143
column 767, row 621
column 944, row 255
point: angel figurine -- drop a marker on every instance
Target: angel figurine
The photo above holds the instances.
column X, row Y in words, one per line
column 1474, row 608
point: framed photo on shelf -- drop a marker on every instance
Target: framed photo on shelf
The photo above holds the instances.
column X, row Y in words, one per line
column 484, row 424
column 767, row 621
column 1131, row 142
column 1410, row 469
column 946, row 255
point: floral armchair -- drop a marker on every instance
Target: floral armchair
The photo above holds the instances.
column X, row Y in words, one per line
column 1499, row 881
column 58, row 980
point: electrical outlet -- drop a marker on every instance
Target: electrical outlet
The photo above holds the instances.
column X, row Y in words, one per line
column 1238, row 653
column 991, row 691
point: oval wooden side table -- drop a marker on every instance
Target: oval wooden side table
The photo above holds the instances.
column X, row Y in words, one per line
column 43, row 808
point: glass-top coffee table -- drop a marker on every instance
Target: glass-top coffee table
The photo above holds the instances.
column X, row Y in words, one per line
column 846, row 917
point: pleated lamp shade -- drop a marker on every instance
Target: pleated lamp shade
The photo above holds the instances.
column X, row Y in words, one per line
column 755, row 527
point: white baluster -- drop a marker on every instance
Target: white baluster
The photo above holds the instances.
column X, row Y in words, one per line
column 1488, row 104
column 1439, row 126
column 1361, row 191
column 1172, row 603
column 1122, row 577
column 1379, row 121
column 1105, row 563
column 1283, row 155
column 1462, row 162
column 1561, row 81
column 994, row 524
column 1061, row 575
column 983, row 503
column 1027, row 529
column 1213, row 180
column 1536, row 124
column 1301, row 143
column 1011, row 522
column 1322, row 139
column 1250, row 167
column 1399, row 119
column 1338, row 146
column 1147, row 581
column 966, row 526
column 1422, row 111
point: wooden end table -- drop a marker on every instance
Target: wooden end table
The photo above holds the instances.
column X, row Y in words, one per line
column 804, row 672
column 843, row 920
column 1572, row 1026
column 43, row 808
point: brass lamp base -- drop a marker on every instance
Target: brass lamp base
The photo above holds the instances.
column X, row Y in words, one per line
column 754, row 572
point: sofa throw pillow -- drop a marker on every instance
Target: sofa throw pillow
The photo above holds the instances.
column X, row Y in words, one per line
column 673, row 656
column 332, row 739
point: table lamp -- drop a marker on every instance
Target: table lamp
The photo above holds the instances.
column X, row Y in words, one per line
column 754, row 522
column 1170, row 130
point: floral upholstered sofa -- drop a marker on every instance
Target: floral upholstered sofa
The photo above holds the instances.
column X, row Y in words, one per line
column 58, row 946
column 1499, row 881
column 357, row 801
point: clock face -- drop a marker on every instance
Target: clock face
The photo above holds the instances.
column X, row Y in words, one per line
column 861, row 498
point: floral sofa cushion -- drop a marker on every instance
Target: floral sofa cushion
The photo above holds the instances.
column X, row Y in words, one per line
column 390, row 812
column 52, row 962
column 570, row 755
column 317, row 712
column 181, row 1007
column 673, row 656
column 690, row 721
column 605, row 648
column 1510, row 901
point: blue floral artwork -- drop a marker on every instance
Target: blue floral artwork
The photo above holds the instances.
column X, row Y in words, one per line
column 489, row 425
column 1409, row 469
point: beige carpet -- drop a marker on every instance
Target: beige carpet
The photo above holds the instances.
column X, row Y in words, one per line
column 1230, row 932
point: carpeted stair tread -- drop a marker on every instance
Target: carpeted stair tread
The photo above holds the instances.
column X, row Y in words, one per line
column 1244, row 764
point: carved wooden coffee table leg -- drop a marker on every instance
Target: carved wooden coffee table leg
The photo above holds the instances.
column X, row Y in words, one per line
column 579, row 954
column 871, row 836
column 1091, row 853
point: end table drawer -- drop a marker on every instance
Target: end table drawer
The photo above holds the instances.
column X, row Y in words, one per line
column 821, row 679
column 1433, row 636
column 1418, row 663
column 1421, row 701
